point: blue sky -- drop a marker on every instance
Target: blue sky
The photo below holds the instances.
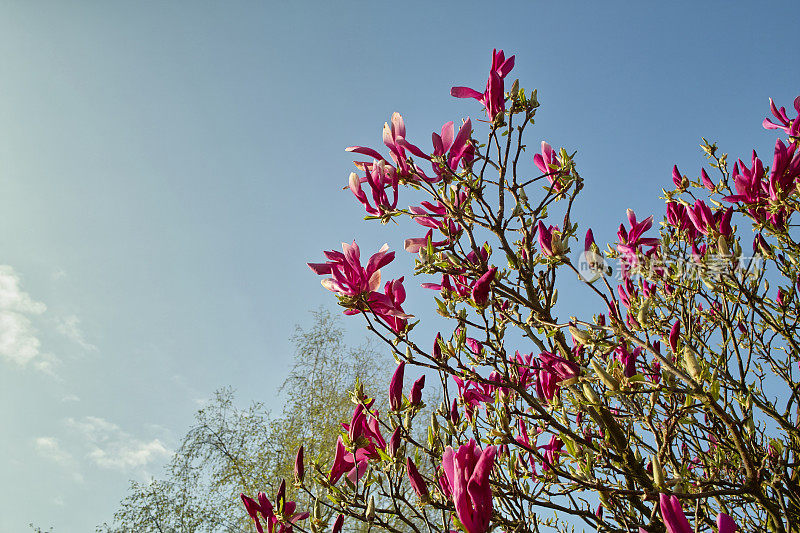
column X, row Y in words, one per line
column 167, row 168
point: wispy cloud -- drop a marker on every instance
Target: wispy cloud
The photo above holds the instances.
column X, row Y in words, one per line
column 70, row 327
column 49, row 448
column 111, row 447
column 18, row 340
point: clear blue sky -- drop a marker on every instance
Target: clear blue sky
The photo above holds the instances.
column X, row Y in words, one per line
column 167, row 168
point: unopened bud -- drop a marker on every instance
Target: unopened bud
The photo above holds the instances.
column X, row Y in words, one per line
column 370, row 512
column 590, row 394
column 299, row 467
column 580, row 335
column 658, row 473
column 691, row 363
column 607, row 379
column 722, row 246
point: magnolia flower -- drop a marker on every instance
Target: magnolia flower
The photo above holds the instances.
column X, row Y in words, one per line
column 676, row 522
column 416, row 480
column 415, row 396
column 466, row 480
column 349, row 278
column 791, row 127
column 549, row 165
column 493, row 98
column 396, row 387
column 265, row 508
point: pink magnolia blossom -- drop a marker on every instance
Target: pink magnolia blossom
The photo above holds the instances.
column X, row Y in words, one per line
column 551, row 452
column 379, row 176
column 785, row 171
column 265, row 508
column 473, row 394
column 348, row 277
column 364, row 434
column 493, row 98
column 396, row 387
column 549, row 242
column 630, row 242
column 725, row 524
column 337, row 525
column 416, row 480
column 673, row 516
column 415, row 396
column 628, row 358
column 394, row 133
column 466, row 480
column 480, row 291
column 707, row 183
column 549, row 165
column 790, row 127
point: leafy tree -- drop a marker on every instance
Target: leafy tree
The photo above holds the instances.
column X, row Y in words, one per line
column 671, row 391
column 229, row 450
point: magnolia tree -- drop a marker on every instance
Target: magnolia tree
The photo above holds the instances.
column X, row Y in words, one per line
column 668, row 402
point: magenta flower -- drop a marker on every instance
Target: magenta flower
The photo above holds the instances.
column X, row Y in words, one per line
column 349, row 278
column 415, row 396
column 337, row 525
column 551, row 452
column 549, row 242
column 707, row 183
column 396, row 387
column 785, row 170
column 628, row 359
column 466, row 473
column 493, row 98
column 364, row 433
column 673, row 516
column 388, row 306
column 630, row 242
column 379, row 176
column 473, row 394
column 790, row 127
column 265, row 508
column 480, row 291
column 674, row 335
column 416, row 480
column 299, row 466
column 549, row 165
column 415, row 244
column 725, row 524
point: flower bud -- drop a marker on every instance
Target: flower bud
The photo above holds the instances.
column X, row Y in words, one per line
column 437, row 349
column 337, row 526
column 581, row 336
column 396, row 387
column 658, row 473
column 417, row 483
column 415, row 396
column 299, row 467
column 454, row 416
column 607, row 379
column 691, row 363
column 590, row 394
column 394, row 442
column 369, row 514
column 674, row 333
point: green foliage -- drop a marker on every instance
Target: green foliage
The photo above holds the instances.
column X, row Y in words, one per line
column 229, row 450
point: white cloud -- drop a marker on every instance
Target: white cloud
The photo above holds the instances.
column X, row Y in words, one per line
column 70, row 398
column 111, row 447
column 18, row 340
column 49, row 448
column 70, row 327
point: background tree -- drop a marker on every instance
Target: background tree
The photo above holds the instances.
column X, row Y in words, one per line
column 229, row 450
